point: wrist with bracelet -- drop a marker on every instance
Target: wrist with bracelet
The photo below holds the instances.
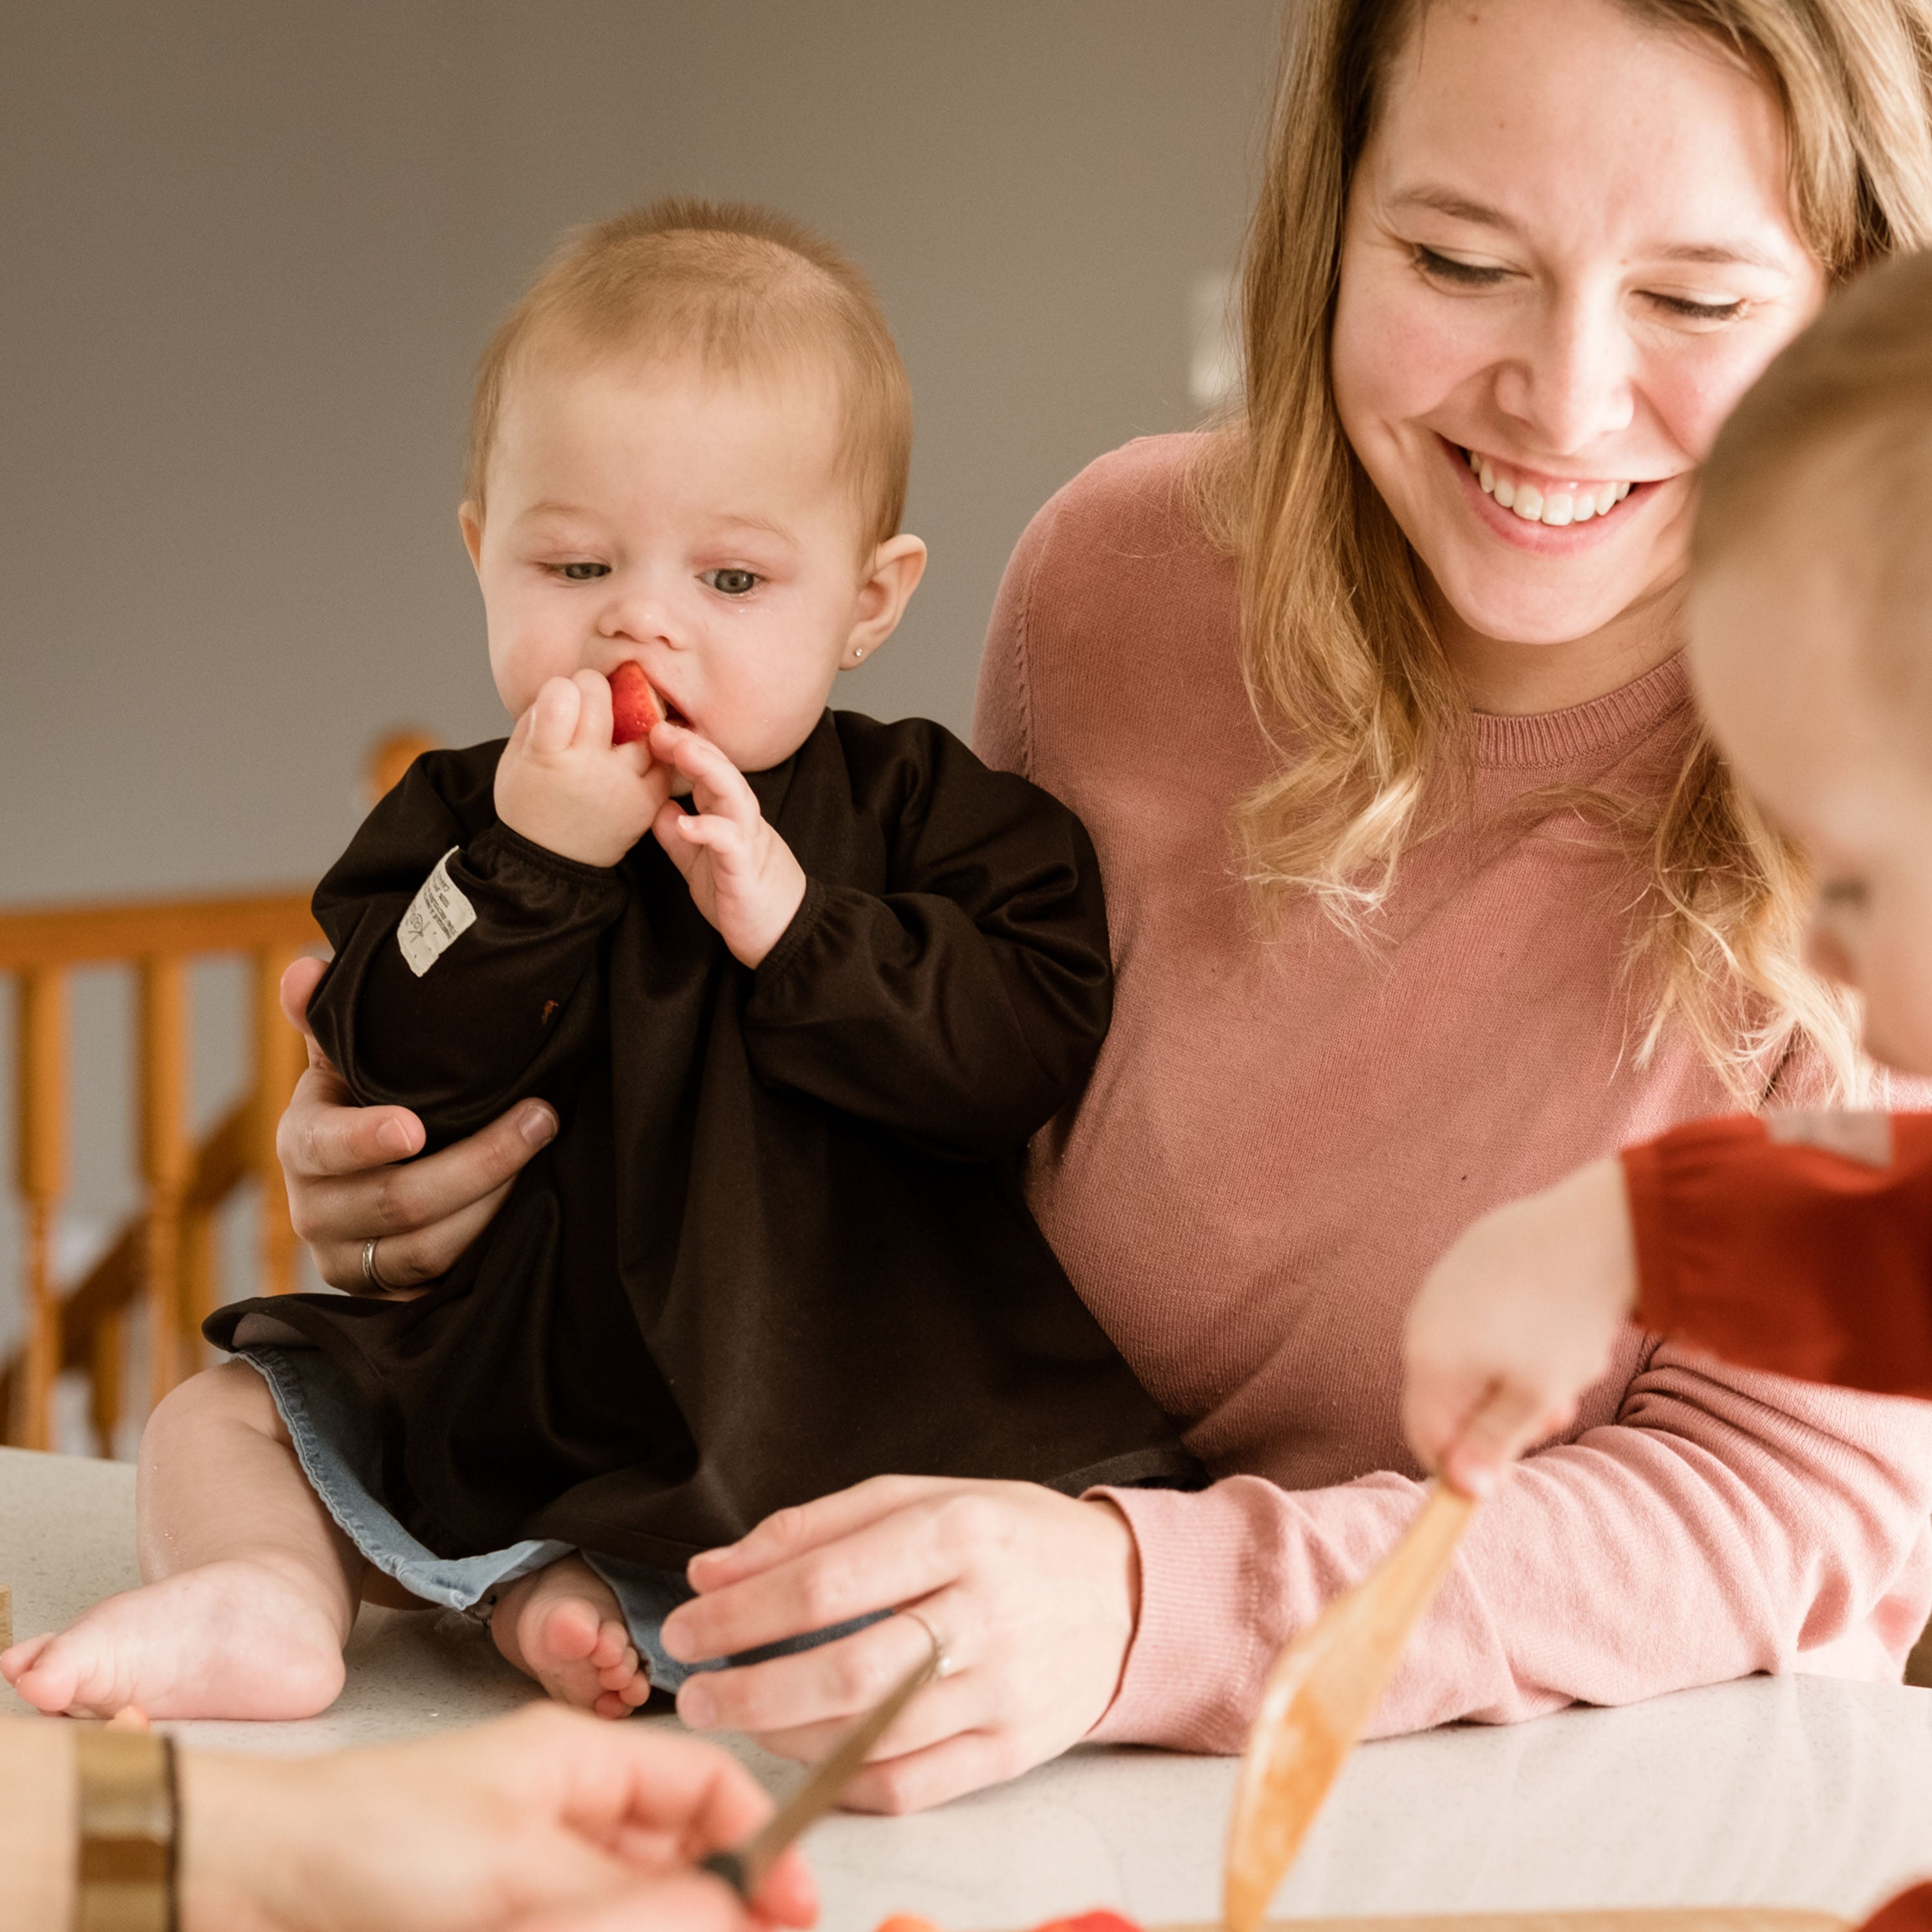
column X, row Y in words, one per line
column 128, row 1816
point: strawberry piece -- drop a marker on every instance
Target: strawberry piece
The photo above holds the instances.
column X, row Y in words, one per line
column 906, row 1921
column 634, row 706
column 1091, row 1921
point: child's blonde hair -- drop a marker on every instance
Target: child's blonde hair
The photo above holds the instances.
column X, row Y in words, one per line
column 740, row 289
column 1848, row 405
column 1348, row 676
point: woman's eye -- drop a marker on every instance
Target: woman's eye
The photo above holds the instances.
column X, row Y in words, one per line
column 1693, row 310
column 582, row 573
column 1464, row 274
column 731, row 582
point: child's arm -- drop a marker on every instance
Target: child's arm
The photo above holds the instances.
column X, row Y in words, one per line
column 964, row 1006
column 1800, row 1244
column 466, row 969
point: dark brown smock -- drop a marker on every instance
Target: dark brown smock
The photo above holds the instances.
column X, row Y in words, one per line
column 778, row 1244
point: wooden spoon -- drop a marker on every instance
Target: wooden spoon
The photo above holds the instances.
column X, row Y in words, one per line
column 1319, row 1697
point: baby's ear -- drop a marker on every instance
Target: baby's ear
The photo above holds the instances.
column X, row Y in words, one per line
column 891, row 577
column 469, row 520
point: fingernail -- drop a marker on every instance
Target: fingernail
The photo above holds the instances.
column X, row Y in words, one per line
column 672, row 1636
column 538, row 1124
column 695, row 1704
column 393, row 1138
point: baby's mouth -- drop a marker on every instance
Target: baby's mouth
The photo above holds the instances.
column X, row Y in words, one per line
column 1539, row 498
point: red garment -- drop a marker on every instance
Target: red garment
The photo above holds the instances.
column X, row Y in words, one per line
column 1910, row 1912
column 1767, row 1246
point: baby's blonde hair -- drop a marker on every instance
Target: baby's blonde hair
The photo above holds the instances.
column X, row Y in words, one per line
column 1840, row 426
column 742, row 290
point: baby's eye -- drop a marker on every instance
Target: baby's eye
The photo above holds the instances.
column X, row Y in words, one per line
column 731, row 582
column 582, row 573
column 1461, row 275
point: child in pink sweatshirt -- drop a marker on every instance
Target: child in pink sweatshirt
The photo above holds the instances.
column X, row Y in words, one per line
column 1801, row 1244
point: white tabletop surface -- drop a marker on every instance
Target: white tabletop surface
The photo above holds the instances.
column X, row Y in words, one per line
column 1794, row 1791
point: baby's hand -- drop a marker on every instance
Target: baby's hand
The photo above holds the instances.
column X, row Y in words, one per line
column 564, row 785
column 1515, row 1322
column 741, row 873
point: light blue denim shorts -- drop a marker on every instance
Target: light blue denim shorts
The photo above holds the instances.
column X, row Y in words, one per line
column 338, row 1455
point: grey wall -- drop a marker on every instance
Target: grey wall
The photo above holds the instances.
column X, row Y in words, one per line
column 249, row 250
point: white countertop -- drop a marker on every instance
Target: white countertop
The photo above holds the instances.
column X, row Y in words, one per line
column 1793, row 1791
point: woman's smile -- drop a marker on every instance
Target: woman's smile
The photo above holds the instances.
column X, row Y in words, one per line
column 1545, row 513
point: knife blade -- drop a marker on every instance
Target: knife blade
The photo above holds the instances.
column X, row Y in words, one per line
column 744, row 1867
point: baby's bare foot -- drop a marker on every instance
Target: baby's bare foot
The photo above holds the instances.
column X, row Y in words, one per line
column 234, row 1639
column 562, row 1626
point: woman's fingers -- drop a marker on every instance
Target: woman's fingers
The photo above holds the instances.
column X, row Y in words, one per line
column 322, row 1133
column 903, row 1556
column 425, row 1214
column 300, row 978
column 826, row 1685
column 967, row 1761
column 788, row 1533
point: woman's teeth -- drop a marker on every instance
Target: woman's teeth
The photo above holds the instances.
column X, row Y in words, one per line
column 1561, row 503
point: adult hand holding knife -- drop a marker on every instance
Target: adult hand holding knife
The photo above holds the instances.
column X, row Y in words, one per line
column 743, row 1868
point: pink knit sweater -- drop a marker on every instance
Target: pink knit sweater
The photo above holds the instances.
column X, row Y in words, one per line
column 1281, row 1135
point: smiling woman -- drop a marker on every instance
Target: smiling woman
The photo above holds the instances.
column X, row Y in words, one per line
column 1515, row 915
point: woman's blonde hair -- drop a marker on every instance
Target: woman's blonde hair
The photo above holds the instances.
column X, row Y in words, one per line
column 1371, row 727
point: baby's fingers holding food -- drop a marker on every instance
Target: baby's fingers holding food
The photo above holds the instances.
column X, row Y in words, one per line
column 1515, row 1322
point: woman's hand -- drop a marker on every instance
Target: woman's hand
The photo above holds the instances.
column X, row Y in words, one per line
column 1033, row 1597
column 548, row 1821
column 1515, row 1322
column 343, row 1190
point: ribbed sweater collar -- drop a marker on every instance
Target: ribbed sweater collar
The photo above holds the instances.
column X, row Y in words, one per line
column 1562, row 737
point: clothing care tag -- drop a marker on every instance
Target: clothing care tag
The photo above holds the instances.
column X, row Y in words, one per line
column 436, row 915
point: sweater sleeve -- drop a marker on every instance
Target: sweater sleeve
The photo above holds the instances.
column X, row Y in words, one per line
column 1802, row 1245
column 1726, row 1523
column 1002, row 711
column 963, row 1007
column 466, row 971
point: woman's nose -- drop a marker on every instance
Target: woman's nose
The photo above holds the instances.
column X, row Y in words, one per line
column 1574, row 385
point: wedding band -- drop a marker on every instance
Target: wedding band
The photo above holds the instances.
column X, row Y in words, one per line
column 369, row 1273
column 942, row 1664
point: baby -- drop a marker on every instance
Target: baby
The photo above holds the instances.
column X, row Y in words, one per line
column 1801, row 1244
column 799, row 984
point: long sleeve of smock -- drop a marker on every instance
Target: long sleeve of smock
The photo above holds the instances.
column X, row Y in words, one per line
column 466, row 976
column 962, row 1005
column 1283, row 1133
column 1804, row 1247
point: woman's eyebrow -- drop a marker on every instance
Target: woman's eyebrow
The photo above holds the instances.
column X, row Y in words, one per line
column 1728, row 254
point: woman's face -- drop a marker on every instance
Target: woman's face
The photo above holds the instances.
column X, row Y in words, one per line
column 1567, row 252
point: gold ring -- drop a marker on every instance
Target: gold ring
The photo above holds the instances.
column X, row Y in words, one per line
column 942, row 1664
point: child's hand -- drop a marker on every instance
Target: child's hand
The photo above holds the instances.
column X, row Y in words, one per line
column 564, row 785
column 1515, row 1322
column 741, row 873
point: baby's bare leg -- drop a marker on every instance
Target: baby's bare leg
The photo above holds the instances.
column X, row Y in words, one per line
column 251, row 1588
column 563, row 1626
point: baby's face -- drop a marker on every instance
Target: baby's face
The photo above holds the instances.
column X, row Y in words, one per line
column 1809, row 737
column 694, row 524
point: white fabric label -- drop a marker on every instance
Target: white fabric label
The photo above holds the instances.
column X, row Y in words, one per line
column 436, row 915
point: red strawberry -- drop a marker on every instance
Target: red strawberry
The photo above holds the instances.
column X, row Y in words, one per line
column 634, row 706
